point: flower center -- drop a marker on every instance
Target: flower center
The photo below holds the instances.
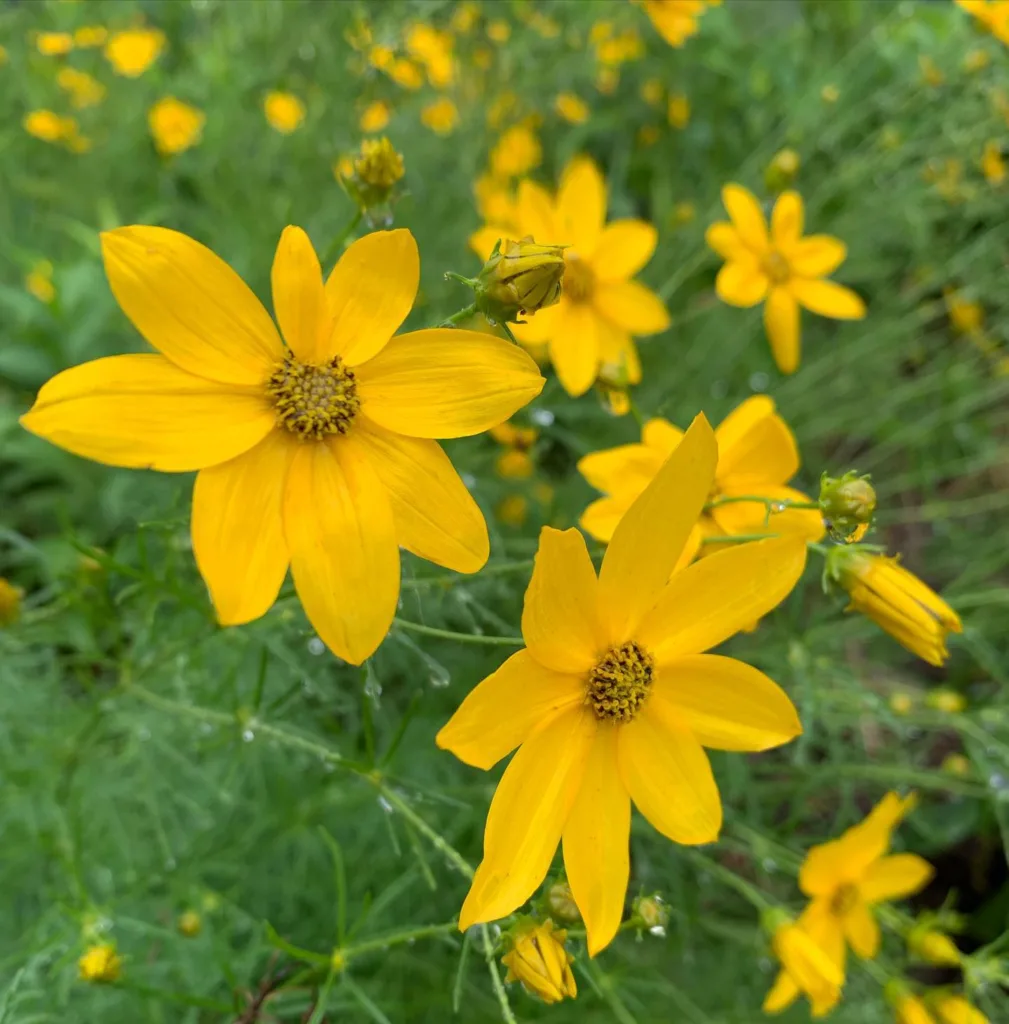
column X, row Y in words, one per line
column 620, row 682
column 776, row 267
column 844, row 898
column 578, row 280
column 314, row 401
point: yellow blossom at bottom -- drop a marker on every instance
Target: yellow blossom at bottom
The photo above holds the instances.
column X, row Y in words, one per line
column 175, row 126
column 100, row 963
column 539, row 960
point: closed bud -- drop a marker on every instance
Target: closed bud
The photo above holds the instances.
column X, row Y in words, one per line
column 847, row 504
column 947, row 701
column 520, row 277
column 540, row 961
column 931, row 945
column 100, row 963
column 781, row 171
column 370, row 178
column 561, row 903
column 10, row 603
column 652, row 913
column 189, row 924
column 955, row 764
column 907, row 1007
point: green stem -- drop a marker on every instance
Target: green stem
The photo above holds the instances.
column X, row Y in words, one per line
column 738, row 538
column 495, row 976
column 398, row 938
column 450, row 853
column 774, row 504
column 466, row 638
column 457, row 318
column 336, row 246
column 731, row 879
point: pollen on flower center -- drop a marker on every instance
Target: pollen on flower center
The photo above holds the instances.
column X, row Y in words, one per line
column 620, row 682
column 314, row 401
column 844, row 898
column 578, row 281
column 776, row 267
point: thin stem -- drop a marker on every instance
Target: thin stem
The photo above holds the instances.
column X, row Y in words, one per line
column 383, row 942
column 336, row 246
column 775, row 504
column 738, row 538
column 457, row 318
column 730, row 878
column 466, row 638
column 508, row 331
column 451, row 854
column 495, row 976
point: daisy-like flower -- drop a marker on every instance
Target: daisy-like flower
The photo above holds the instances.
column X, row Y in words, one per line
column 757, row 456
column 318, row 454
column 175, row 126
column 779, row 268
column 132, row 51
column 845, row 879
column 601, row 308
column 992, row 15
column 807, row 965
column 613, row 701
column 677, row 20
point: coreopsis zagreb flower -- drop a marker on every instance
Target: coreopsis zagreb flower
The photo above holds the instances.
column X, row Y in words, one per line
column 601, row 307
column 571, row 107
column 779, row 268
column 433, row 49
column 375, row 117
column 677, row 20
column 134, row 50
column 88, row 36
column 613, row 701
column 845, row 879
column 757, row 455
column 284, row 111
column 517, row 152
column 175, row 126
column 441, row 116
column 992, row 15
column 896, row 600
column 54, row 44
column 318, row 454
column 539, row 960
column 48, row 126
column 100, row 963
column 806, row 964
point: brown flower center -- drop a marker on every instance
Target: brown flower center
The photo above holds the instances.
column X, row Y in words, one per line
column 620, row 682
column 776, row 267
column 314, row 401
column 845, row 897
column 578, row 281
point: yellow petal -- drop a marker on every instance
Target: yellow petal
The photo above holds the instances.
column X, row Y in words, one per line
column 827, row 299
column 370, row 293
column 755, row 444
column 446, row 383
column 650, row 537
column 560, row 618
column 787, row 220
column 299, row 300
column 661, row 435
column 632, row 306
column 817, row 255
column 597, row 843
column 617, row 352
column 528, row 815
column 726, row 704
column 749, row 517
column 574, row 348
column 581, row 203
column 669, row 777
column 781, row 322
column 629, row 467
column 724, row 239
column 435, row 515
column 344, row 556
column 190, row 305
column 501, row 712
column 747, row 217
column 536, row 215
column 483, row 240
column 238, row 529
column 861, row 930
column 540, row 326
column 715, row 598
column 143, row 412
column 955, row 1009
column 895, row 877
column 600, row 519
column 741, row 283
column 783, row 993
column 625, row 246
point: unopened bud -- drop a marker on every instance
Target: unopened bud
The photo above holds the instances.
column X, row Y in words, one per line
column 519, row 278
column 652, row 913
column 955, row 764
column 539, row 960
column 933, row 946
column 10, row 603
column 948, row 701
column 189, row 924
column 371, row 176
column 847, row 504
column 561, row 903
column 100, row 963
column 781, row 171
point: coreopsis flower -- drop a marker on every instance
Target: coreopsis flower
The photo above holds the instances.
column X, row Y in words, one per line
column 441, row 116
column 992, row 163
column 613, row 701
column 132, row 51
column 39, row 281
column 806, row 967
column 54, row 44
column 601, row 307
column 572, row 108
column 284, row 111
column 375, row 117
column 318, row 454
column 845, row 879
column 757, row 456
column 677, row 20
column 520, row 278
column 89, row 36
column 433, row 49
column 780, row 268
column 499, row 31
column 678, row 111
column 896, row 600
column 370, row 178
column 406, row 73
column 991, row 15
column 49, row 127
column 100, row 963
column 515, row 462
column 83, row 89
column 965, row 315
column 540, row 961
column 10, row 602
column 175, row 126
column 517, row 152
column 847, row 504
column 954, row 1009
column 955, row 764
column 465, row 17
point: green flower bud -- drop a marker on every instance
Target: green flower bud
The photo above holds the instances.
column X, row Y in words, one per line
column 847, row 504
column 561, row 903
column 519, row 278
column 651, row 912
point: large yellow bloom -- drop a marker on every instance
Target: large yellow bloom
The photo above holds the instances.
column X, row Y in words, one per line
column 677, row 20
column 601, row 308
column 845, row 879
column 757, row 455
column 992, row 15
column 779, row 266
column 317, row 454
column 613, row 701
column 132, row 51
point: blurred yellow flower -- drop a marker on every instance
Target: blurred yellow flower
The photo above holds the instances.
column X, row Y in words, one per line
column 757, row 456
column 100, row 964
column 497, row 205
column 678, row 111
column 683, row 213
column 572, row 108
column 779, row 266
column 133, row 51
column 830, row 93
column 49, row 127
column 434, row 50
column 677, row 20
column 992, row 163
column 965, row 315
column 950, row 702
column 648, row 135
column 39, row 281
column 375, row 117
column 607, row 80
column 175, row 126
column 514, row 463
column 516, row 153
column 378, row 163
column 3, row 56
column 406, row 73
column 441, row 116
column 284, row 111
column 992, row 15
column 901, row 703
column 782, row 169
column 499, row 31
column 928, row 943
column 806, row 965
column 483, row 57
column 465, row 16
column 512, row 510
column 538, row 959
column 381, row 57
column 619, row 701
column 907, row 1007
column 10, row 602
column 88, row 36
column 317, row 454
column 930, row 71
column 951, row 1009
column 616, row 50
column 544, row 26
column 955, row 764
column 84, row 90
column 652, row 91
column 54, row 44
column 189, row 924
column 976, row 60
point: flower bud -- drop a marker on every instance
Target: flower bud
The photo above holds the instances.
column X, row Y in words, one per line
column 847, row 504
column 931, row 945
column 10, row 603
column 901, row 703
column 955, row 764
column 539, row 960
column 907, row 1007
column 520, row 277
column 561, row 903
column 947, row 701
column 100, row 963
column 651, row 913
column 781, row 171
column 954, row 1009
column 189, row 924
column 370, row 178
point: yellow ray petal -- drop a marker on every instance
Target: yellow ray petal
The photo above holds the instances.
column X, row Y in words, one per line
column 370, row 293
column 669, row 777
column 747, row 217
column 482, row 240
column 601, row 518
column 617, row 352
column 628, row 467
column 528, row 815
column 143, row 412
column 536, row 215
column 190, row 305
column 344, row 556
column 650, row 537
column 726, row 704
column 560, row 618
column 574, row 347
column 755, row 444
column 895, row 877
column 750, row 517
column 783, row 993
column 725, row 240
column 597, row 841
column 817, row 255
column 299, row 300
column 781, row 322
column 501, row 712
column 540, row 326
column 861, row 930
column 632, row 306
column 741, row 283
column 624, row 247
column 436, row 517
column 238, row 529
column 827, row 298
column 661, row 435
column 446, row 383
column 787, row 220
column 581, row 205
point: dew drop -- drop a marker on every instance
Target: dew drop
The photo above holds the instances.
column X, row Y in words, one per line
column 658, row 931
column 759, row 381
column 248, row 735
column 542, row 417
column 385, row 805
column 316, row 646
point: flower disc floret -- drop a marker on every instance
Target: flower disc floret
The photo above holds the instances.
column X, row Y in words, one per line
column 314, row 401
column 620, row 682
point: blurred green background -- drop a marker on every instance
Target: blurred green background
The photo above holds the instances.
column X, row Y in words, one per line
column 153, row 763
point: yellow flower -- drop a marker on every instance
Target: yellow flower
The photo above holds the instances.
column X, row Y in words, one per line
column 652, row 91
column 434, row 50
column 948, row 701
column 539, row 960
column 779, row 266
column 965, row 315
column 992, row 164
column 845, row 879
column 284, row 111
column 519, row 278
column 54, row 44
column 40, row 281
column 679, row 111
column 757, row 455
column 782, row 169
column 897, row 601
column 375, row 117
column 133, row 51
column 930, row 71
column 950, row 1009
column 512, row 510
column 189, row 923
column 993, row 16
column 613, row 51
column 175, row 126
column 901, row 703
column 84, row 90
column 441, row 116
column 49, row 127
column 88, row 36
column 676, row 20
column 976, row 60
column 381, row 57
column 100, row 964
column 572, row 108
column 516, row 153
column 406, row 73
column 806, row 967
column 515, row 462
column 499, row 31
column 318, row 454
column 955, row 764
column 601, row 307
column 10, row 602
column 465, row 16
column 613, row 701
column 379, row 165
column 607, row 80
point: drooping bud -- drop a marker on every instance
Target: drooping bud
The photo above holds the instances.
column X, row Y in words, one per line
column 100, row 963
column 847, row 504
column 10, row 603
column 519, row 278
column 931, row 945
column 539, row 960
column 561, row 903
column 370, row 178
